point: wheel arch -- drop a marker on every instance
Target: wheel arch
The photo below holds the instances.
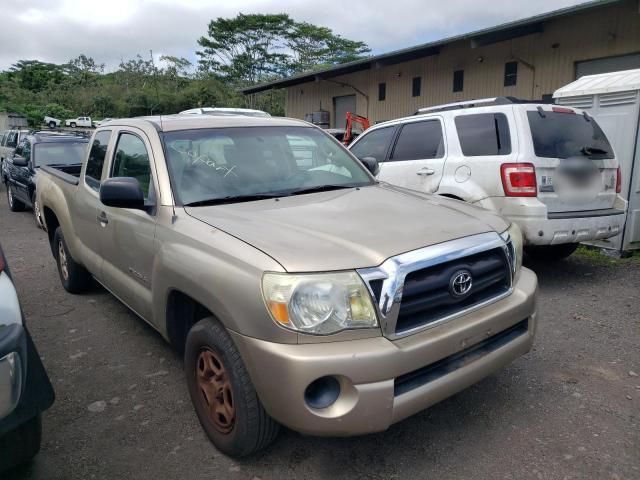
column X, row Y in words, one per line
column 182, row 312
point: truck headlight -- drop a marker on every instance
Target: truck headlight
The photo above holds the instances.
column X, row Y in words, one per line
column 514, row 235
column 319, row 303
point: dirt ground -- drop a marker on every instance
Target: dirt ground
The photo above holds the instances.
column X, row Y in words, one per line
column 567, row 410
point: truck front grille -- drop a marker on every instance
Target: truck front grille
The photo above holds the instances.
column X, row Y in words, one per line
column 422, row 288
column 427, row 295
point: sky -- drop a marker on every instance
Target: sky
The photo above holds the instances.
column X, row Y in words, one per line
column 110, row 30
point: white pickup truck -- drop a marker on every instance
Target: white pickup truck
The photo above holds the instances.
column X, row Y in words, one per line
column 52, row 122
column 79, row 122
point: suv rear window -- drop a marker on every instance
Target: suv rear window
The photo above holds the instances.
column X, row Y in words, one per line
column 483, row 134
column 564, row 135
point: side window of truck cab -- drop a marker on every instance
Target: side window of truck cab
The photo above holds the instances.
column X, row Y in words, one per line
column 131, row 159
column 95, row 162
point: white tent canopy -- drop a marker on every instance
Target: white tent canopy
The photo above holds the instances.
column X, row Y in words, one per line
column 622, row 81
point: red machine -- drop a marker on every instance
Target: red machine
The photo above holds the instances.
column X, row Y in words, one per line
column 353, row 119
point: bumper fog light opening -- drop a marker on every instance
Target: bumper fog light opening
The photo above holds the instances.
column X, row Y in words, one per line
column 322, row 393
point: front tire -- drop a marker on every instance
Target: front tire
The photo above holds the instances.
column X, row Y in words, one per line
column 15, row 205
column 74, row 277
column 551, row 252
column 52, row 124
column 21, row 444
column 73, row 124
column 226, row 403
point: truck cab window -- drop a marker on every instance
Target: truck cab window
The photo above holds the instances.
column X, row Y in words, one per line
column 97, row 154
column 132, row 160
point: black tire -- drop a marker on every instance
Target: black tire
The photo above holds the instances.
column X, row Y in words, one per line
column 15, row 205
column 73, row 124
column 20, row 445
column 52, row 124
column 252, row 428
column 551, row 252
column 74, row 277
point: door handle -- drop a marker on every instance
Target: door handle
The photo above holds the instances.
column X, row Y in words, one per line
column 423, row 172
column 103, row 219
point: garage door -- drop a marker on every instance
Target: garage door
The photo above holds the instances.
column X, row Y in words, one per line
column 606, row 65
column 342, row 105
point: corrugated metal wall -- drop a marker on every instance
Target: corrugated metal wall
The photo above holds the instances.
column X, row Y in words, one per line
column 546, row 62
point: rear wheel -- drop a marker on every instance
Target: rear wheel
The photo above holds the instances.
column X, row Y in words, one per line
column 15, row 205
column 226, row 403
column 551, row 252
column 73, row 124
column 21, row 444
column 74, row 277
column 52, row 124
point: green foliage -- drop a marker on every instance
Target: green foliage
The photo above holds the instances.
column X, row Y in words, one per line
column 236, row 52
column 254, row 48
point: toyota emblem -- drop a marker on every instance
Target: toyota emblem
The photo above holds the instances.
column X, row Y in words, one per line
column 460, row 283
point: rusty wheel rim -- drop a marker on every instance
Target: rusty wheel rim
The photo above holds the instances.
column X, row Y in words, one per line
column 216, row 393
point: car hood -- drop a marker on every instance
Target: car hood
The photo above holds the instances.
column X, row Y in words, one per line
column 346, row 229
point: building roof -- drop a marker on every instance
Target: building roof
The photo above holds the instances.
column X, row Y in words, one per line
column 477, row 38
column 622, row 81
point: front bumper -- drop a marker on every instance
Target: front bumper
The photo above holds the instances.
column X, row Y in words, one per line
column 438, row 363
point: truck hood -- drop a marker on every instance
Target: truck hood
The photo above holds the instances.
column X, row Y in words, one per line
column 346, row 229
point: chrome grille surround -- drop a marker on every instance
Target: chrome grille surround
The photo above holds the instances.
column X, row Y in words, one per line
column 393, row 271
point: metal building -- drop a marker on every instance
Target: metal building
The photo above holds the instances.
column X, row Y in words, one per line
column 528, row 58
column 11, row 120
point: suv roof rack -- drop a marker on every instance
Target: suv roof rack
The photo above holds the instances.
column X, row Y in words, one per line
column 481, row 102
column 61, row 133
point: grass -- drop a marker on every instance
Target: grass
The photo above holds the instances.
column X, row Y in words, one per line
column 595, row 255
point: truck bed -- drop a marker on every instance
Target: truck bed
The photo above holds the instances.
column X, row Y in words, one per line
column 67, row 173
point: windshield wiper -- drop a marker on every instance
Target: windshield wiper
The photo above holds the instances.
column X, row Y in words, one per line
column 320, row 188
column 588, row 151
column 232, row 199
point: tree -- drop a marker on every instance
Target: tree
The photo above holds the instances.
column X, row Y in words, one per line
column 34, row 75
column 315, row 47
column 245, row 49
column 83, row 70
column 253, row 48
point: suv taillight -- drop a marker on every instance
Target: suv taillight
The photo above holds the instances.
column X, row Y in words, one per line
column 519, row 179
column 618, row 181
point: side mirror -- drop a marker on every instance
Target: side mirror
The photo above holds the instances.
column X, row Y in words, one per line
column 122, row 192
column 19, row 161
column 371, row 164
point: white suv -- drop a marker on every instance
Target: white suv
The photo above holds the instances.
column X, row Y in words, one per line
column 550, row 169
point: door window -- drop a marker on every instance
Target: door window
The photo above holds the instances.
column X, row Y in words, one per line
column 419, row 141
column 132, row 160
column 483, row 134
column 374, row 144
column 4, row 139
column 97, row 154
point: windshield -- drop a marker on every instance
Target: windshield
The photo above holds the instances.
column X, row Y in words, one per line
column 241, row 163
column 564, row 135
column 63, row 153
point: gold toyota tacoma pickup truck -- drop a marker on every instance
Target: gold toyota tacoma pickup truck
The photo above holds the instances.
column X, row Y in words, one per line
column 302, row 291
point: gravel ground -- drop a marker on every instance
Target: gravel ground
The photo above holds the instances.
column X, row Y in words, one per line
column 567, row 410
